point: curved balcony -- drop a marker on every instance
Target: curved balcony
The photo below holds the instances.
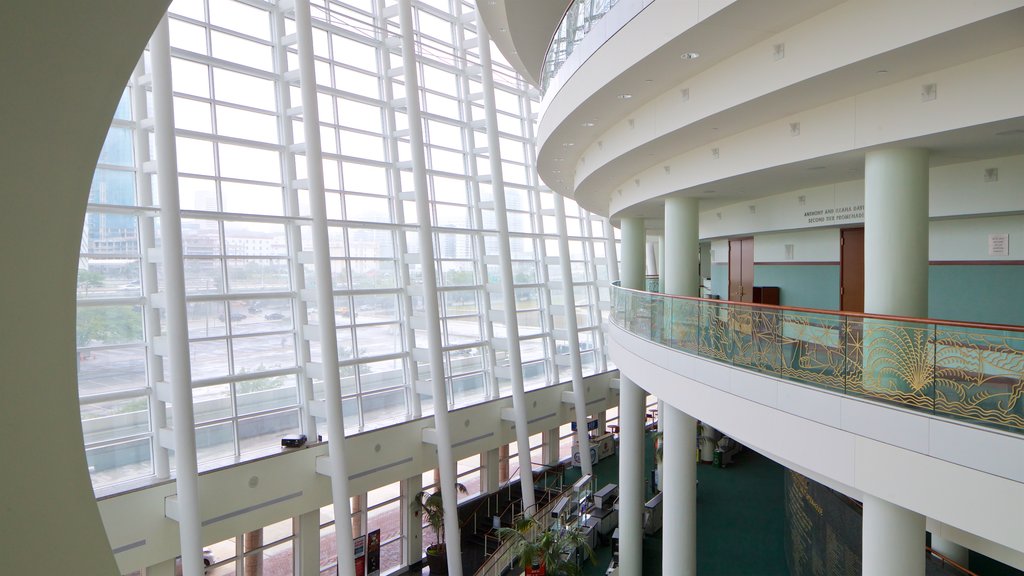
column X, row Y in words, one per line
column 968, row 372
column 924, row 414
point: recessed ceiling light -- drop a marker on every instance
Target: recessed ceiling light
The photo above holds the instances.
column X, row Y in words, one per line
column 625, row 96
column 1014, row 132
column 709, row 191
column 568, row 144
column 882, row 71
column 588, row 124
column 689, row 55
column 816, row 168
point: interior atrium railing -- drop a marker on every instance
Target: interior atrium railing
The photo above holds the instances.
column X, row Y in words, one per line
column 969, row 372
column 579, row 17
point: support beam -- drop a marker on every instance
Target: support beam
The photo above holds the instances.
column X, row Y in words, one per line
column 425, row 230
column 178, row 366
column 324, row 290
column 508, row 293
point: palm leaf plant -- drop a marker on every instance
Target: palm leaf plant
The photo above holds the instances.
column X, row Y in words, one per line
column 543, row 551
column 431, row 505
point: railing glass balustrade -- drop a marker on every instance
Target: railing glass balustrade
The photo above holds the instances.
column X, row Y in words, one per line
column 969, row 372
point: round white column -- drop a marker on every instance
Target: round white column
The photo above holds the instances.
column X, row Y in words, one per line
column 631, row 418
column 896, row 232
column 634, row 253
column 679, row 478
column 680, row 274
column 681, row 269
column 893, row 539
column 631, row 476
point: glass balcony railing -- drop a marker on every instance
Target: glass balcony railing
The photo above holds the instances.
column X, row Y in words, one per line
column 968, row 372
column 578, row 20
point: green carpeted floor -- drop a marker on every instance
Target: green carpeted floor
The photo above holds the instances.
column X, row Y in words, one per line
column 739, row 518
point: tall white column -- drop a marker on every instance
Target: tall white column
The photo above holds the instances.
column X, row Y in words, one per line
column 306, row 552
column 895, row 282
column 680, row 275
column 178, row 366
column 896, row 232
column 324, row 292
column 631, row 476
column 425, row 230
column 579, row 392
column 634, row 253
column 893, row 540
column 611, row 252
column 508, row 291
column 631, row 420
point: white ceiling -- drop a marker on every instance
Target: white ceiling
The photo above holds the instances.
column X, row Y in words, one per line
column 726, row 33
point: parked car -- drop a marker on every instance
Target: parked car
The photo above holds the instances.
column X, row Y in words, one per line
column 274, row 316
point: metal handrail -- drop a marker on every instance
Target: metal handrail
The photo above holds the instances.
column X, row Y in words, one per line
column 500, row 556
column 773, row 307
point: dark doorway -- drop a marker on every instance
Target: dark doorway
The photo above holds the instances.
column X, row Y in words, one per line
column 851, row 269
column 741, row 270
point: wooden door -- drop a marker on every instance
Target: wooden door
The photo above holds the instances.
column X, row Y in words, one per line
column 851, row 269
column 741, row 270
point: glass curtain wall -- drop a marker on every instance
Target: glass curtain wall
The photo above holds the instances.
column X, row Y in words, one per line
column 246, row 234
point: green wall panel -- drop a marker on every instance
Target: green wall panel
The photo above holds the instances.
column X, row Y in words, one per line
column 977, row 293
column 804, row 286
column 720, row 280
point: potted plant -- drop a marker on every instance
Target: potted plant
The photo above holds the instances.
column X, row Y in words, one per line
column 545, row 552
column 431, row 506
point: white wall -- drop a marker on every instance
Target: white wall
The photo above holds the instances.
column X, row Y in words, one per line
column 65, row 66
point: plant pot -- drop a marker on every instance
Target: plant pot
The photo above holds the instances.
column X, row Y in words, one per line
column 437, row 560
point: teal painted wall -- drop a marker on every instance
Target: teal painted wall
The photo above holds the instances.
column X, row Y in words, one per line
column 979, row 293
column 720, row 280
column 803, row 286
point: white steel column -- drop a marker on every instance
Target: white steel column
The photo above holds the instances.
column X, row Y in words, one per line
column 631, row 420
column 306, row 550
column 178, row 366
column 445, row 455
column 611, row 253
column 150, row 283
column 579, row 391
column 893, row 540
column 680, row 273
column 324, row 292
column 508, row 291
column 896, row 232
